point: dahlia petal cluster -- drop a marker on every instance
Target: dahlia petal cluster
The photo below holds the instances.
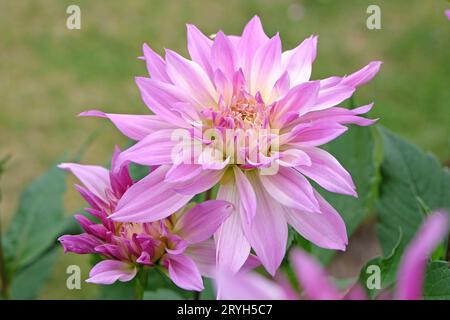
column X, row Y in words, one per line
column 256, row 122
column 316, row 282
column 180, row 245
column 241, row 115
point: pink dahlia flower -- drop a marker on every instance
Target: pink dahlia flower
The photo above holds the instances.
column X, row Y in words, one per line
column 317, row 285
column 447, row 13
column 180, row 244
column 246, row 115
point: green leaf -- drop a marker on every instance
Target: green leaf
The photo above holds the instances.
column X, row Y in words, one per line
column 437, row 281
column 162, row 294
column 360, row 152
column 37, row 221
column 414, row 182
column 118, row 291
column 27, row 283
column 388, row 269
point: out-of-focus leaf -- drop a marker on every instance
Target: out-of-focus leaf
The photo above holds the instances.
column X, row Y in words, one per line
column 27, row 283
column 437, row 281
column 162, row 294
column 37, row 221
column 118, row 291
column 360, row 152
column 414, row 183
column 209, row 292
column 388, row 269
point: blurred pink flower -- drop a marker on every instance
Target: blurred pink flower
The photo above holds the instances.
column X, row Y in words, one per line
column 447, row 13
column 180, row 244
column 317, row 285
column 245, row 88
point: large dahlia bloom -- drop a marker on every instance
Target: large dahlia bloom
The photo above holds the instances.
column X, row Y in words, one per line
column 180, row 245
column 317, row 285
column 243, row 114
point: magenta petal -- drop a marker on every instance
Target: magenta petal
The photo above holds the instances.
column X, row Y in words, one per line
column 149, row 199
column 362, row 76
column 316, row 134
column 155, row 149
column 201, row 183
column 223, row 55
column 266, row 68
column 201, row 221
column 247, row 286
column 160, row 97
column 298, row 100
column 80, row 244
column 253, row 37
column 109, row 271
column 155, row 64
column 327, row 172
column 332, row 96
column 94, row 178
column 199, row 47
column 313, row 278
column 204, row 256
column 291, row 189
column 326, row 230
column 191, row 78
column 233, row 248
column 298, row 61
column 268, row 232
column 183, row 272
column 246, row 194
column 135, row 127
column 412, row 268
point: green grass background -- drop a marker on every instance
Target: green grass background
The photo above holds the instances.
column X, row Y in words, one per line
column 49, row 73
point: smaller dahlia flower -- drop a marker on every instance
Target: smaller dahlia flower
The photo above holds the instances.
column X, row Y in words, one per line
column 180, row 244
column 447, row 13
column 316, row 282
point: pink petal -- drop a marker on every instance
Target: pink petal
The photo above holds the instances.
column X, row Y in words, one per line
column 109, row 271
column 363, row 75
column 413, row 266
column 268, row 232
column 291, row 189
column 246, row 194
column 223, row 55
column 248, row 286
column 313, row 278
column 326, row 230
column 204, row 181
column 155, row 149
column 183, row 172
column 160, row 97
column 299, row 98
column 80, row 244
column 340, row 115
column 266, row 68
column 316, row 134
column 191, row 78
column 135, row 127
column 294, row 158
column 149, row 199
column 183, row 272
column 94, row 178
column 298, row 61
column 199, row 47
column 233, row 248
column 204, row 256
column 332, row 96
column 253, row 37
column 155, row 64
column 201, row 221
column 327, row 172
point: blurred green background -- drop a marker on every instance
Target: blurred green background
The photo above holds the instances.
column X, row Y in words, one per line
column 50, row 74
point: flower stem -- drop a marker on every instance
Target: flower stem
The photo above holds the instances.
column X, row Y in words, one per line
column 141, row 283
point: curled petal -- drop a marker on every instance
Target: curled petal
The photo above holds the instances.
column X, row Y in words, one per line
column 183, row 272
column 109, row 271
